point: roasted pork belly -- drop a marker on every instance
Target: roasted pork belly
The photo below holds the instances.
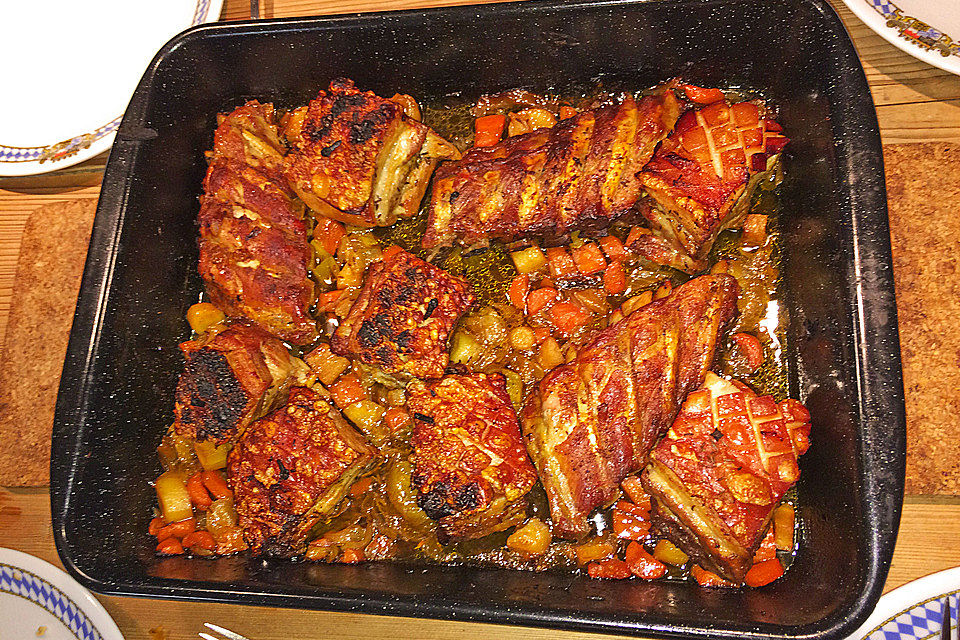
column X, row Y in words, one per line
column 590, row 423
column 701, row 179
column 360, row 158
column 402, row 319
column 471, row 471
column 721, row 470
column 291, row 469
column 253, row 239
column 231, row 377
column 577, row 175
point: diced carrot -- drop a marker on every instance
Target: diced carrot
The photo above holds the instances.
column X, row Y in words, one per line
column 701, row 95
column 589, row 258
column 170, row 547
column 351, row 556
column 327, row 299
column 612, row 246
column 329, row 233
column 610, row 568
column 635, row 234
column 361, row 486
column 560, row 262
column 751, row 349
column 489, row 129
column 155, row 525
column 628, row 526
column 199, row 495
column 755, row 229
column 540, row 334
column 663, row 290
column 391, row 251
column 640, row 511
column 763, row 573
column 539, row 298
column 216, row 484
column 642, row 564
column 635, row 491
column 707, row 578
column 568, row 317
column 595, row 549
column 721, row 266
column 347, row 390
column 518, row 290
column 767, row 549
column 177, row 529
column 567, row 112
column 396, row 418
column 615, row 279
column 202, row 539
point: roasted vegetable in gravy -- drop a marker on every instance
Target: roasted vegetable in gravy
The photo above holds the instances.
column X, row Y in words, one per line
column 536, row 331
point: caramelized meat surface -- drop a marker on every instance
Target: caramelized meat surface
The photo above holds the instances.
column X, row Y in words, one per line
column 471, row 471
column 359, row 158
column 701, row 179
column 401, row 321
column 253, row 239
column 721, row 470
column 291, row 469
column 230, row 378
column 578, row 175
column 593, row 421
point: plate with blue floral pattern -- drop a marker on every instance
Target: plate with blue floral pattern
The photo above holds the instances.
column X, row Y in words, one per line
column 69, row 70
column 38, row 600
column 914, row 610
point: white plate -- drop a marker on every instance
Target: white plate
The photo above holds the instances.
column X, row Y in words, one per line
column 913, row 610
column 929, row 30
column 69, row 69
column 39, row 601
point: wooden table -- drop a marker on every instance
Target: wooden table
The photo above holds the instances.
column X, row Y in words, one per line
column 915, row 103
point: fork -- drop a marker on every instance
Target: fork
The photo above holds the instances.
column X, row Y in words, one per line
column 947, row 619
column 225, row 633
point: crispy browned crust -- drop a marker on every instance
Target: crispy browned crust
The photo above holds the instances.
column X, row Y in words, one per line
column 253, row 239
column 358, row 158
column 722, row 468
column 593, row 421
column 230, row 378
column 471, row 471
column 402, row 319
column 578, row 175
column 292, row 468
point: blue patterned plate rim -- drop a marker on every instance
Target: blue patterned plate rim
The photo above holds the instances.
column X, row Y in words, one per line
column 939, row 47
column 913, row 610
column 22, row 161
column 48, row 588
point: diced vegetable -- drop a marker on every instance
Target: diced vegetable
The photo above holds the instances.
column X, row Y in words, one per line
column 464, row 348
column 488, row 130
column 203, row 315
column 173, row 497
column 368, row 416
column 391, row 251
column 403, row 497
column 628, row 526
column 701, row 95
column 635, row 302
column 530, row 119
column 763, row 573
column 325, row 364
column 560, row 262
column 594, row 300
column 328, row 233
column 612, row 246
column 170, row 547
column 210, row 455
column 665, row 288
column 550, row 355
column 635, row 491
column 155, row 525
column 610, row 568
column 567, row 112
column 348, row 390
column 721, row 266
column 200, row 539
column 328, row 299
column 396, row 419
column 751, row 349
column 595, row 549
column 568, row 317
column 707, row 578
column 755, row 229
column 216, row 484
column 351, row 556
column 642, row 564
column 635, row 234
column 669, row 553
column 222, row 519
column 522, row 338
column 529, row 260
column 514, row 387
column 589, row 259
column 540, row 298
column 361, row 486
column 783, row 525
column 615, row 278
column 177, row 529
column 767, row 550
column 198, row 493
column 519, row 288
column 533, row 537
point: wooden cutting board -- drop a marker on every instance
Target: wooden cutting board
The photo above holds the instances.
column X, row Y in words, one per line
column 52, row 254
column 923, row 185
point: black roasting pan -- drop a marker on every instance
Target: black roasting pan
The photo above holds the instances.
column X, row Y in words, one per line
column 116, row 395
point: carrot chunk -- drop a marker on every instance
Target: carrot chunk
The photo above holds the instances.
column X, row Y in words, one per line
column 751, row 349
column 170, row 547
column 612, row 246
column 199, row 495
column 635, row 491
column 518, row 290
column 615, row 279
column 610, row 568
column 202, row 539
column 628, row 526
column 347, row 390
column 540, row 298
column 560, row 262
column 329, row 233
column 589, row 259
column 395, row 419
column 642, row 564
column 350, row 556
column 216, row 484
column 390, row 251
column 763, row 573
column 155, row 526
column 707, row 578
column 489, row 129
column 701, row 95
column 567, row 317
